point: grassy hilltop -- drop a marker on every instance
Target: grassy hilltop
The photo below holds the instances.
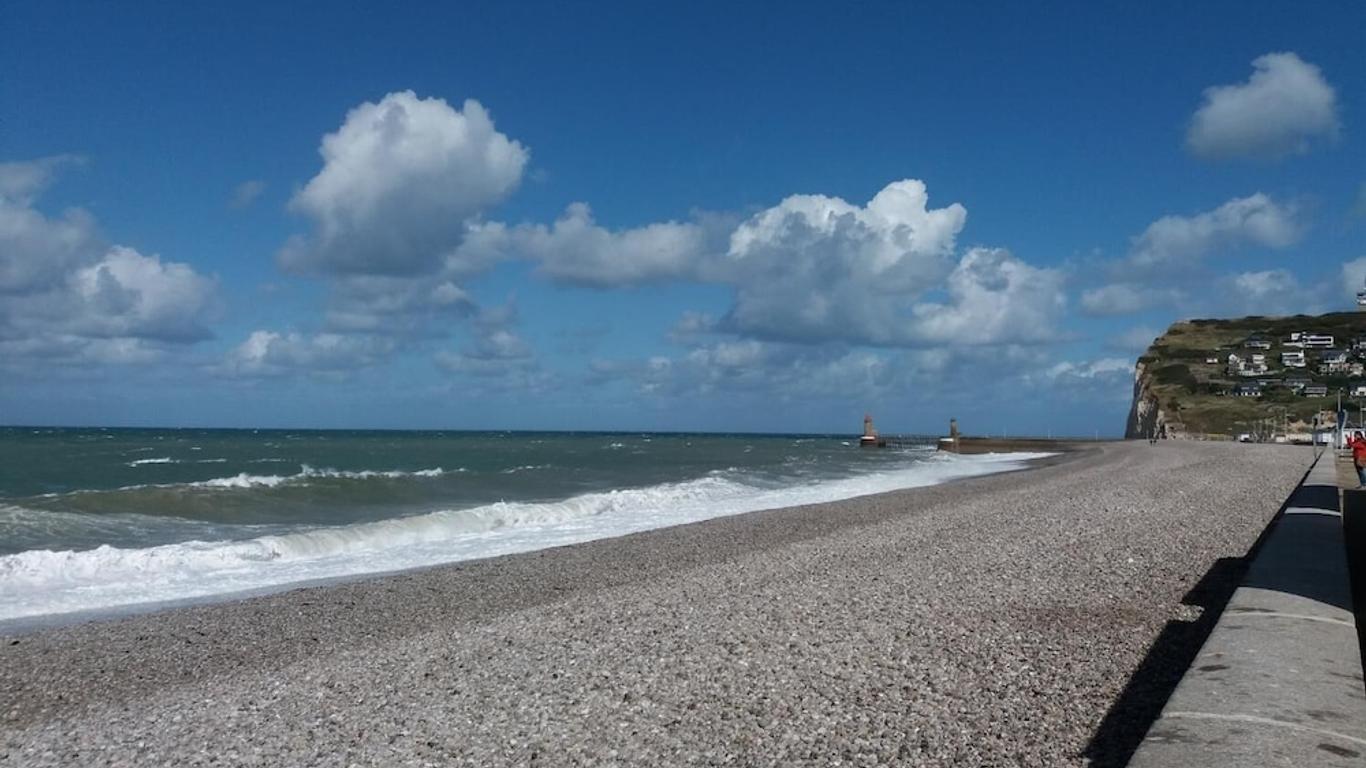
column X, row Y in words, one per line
column 1197, row 396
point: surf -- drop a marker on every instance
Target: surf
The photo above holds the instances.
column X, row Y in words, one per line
column 46, row 582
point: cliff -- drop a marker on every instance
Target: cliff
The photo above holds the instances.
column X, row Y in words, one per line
column 1253, row 375
column 1145, row 413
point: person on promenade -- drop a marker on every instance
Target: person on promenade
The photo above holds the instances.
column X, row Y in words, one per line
column 1358, row 446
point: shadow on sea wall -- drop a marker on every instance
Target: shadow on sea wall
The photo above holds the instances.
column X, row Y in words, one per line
column 1146, row 693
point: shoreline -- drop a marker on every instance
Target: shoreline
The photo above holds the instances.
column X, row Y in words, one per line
column 992, row 617
column 35, row 623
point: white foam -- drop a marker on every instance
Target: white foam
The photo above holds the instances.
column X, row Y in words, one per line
column 42, row 582
column 159, row 460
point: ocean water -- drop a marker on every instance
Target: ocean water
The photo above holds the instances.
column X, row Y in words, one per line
column 100, row 519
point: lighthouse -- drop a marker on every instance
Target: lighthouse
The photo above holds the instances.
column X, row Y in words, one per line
column 870, row 438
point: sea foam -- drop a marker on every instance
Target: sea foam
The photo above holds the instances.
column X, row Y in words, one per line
column 43, row 582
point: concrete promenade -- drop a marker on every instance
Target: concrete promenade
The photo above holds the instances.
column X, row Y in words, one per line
column 1279, row 682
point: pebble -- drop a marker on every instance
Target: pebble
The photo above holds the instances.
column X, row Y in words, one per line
column 991, row 621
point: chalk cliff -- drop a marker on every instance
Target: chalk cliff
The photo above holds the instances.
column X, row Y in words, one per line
column 1254, row 375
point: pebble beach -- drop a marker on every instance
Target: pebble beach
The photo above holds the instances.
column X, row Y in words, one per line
column 1034, row 618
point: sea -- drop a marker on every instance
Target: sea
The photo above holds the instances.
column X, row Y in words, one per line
column 105, row 520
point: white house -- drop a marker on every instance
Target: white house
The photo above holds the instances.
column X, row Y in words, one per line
column 1317, row 341
column 1315, row 390
column 1358, row 389
column 1293, row 359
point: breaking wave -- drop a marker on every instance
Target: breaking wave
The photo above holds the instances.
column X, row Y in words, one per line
column 44, row 582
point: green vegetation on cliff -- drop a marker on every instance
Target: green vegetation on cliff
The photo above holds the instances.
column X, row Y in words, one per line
column 1187, row 372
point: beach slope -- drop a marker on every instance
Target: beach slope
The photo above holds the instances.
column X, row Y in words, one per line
column 1032, row 618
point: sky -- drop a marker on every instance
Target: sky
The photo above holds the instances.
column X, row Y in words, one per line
column 647, row 216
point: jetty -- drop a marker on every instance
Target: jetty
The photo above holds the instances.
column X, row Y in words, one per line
column 871, row 438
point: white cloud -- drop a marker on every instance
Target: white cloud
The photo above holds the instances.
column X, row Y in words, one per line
column 1254, row 220
column 395, row 306
column 246, row 193
column 400, row 183
column 818, row 268
column 269, row 353
column 1280, row 110
column 127, row 294
column 70, row 297
column 37, row 251
column 1354, row 276
column 576, row 250
column 994, row 298
column 811, row 269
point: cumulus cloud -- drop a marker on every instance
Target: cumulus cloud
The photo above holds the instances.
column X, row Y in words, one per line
column 69, row 296
column 575, row 249
column 127, row 294
column 819, row 268
column 401, row 181
column 1280, row 110
column 1254, row 220
column 37, row 251
column 994, row 298
column 270, row 353
column 810, row 269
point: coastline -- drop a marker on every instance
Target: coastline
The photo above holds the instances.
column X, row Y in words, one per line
column 693, row 622
column 64, row 610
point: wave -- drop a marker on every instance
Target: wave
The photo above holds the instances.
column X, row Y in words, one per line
column 244, row 480
column 40, row 582
column 160, row 460
column 248, row 480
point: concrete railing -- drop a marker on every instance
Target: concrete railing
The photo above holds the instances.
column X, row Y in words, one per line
column 1279, row 681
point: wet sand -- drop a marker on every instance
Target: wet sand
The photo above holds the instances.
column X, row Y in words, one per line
column 1034, row 618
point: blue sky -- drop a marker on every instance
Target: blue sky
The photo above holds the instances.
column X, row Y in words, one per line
column 650, row 216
